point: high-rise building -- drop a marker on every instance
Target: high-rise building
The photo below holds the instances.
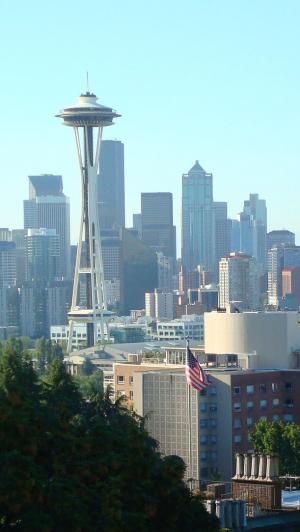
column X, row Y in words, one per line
column 280, row 236
column 111, row 193
column 59, row 295
column 137, row 223
column 48, row 207
column 7, row 263
column 158, row 231
column 280, row 257
column 222, row 243
column 159, row 305
column 42, row 255
column 198, row 238
column 238, row 279
column 234, row 235
column 165, row 267
column 253, row 230
column 291, row 287
column 112, row 266
column 33, row 310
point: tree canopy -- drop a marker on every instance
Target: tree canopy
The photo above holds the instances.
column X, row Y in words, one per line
column 282, row 439
column 83, row 464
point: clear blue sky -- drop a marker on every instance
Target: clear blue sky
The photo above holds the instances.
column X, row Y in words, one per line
column 214, row 80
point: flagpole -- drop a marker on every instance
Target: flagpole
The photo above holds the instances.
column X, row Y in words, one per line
column 189, row 423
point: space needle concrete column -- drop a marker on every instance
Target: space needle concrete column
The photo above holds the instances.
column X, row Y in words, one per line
column 88, row 118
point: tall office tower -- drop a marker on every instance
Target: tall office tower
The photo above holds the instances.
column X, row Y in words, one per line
column 159, row 305
column 111, row 193
column 256, row 211
column 33, row 310
column 7, row 263
column 165, row 268
column 234, row 235
column 42, row 255
column 275, row 267
column 291, row 287
column 198, row 238
column 88, row 117
column 18, row 237
column 280, row 236
column 158, row 231
column 112, row 266
column 59, row 295
column 238, row 280
column 137, row 223
column 49, row 208
column 221, row 233
column 9, row 307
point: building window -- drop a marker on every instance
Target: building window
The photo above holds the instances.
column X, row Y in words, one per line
column 213, row 439
column 203, row 456
column 237, row 438
column 237, row 407
column 131, row 395
column 212, row 423
column 237, row 424
column 276, row 417
column 121, row 379
column 213, row 456
column 275, row 387
column 131, row 379
column 289, row 403
column 203, row 439
column 203, row 423
column 288, row 418
column 275, row 402
column 249, row 421
column 263, row 418
column 288, row 386
column 213, row 407
column 203, row 407
column 262, row 388
column 236, row 390
column 203, row 392
column 250, row 405
column 263, row 404
column 250, row 388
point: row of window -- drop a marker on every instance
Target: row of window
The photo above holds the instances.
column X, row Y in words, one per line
column 121, row 379
column 263, row 388
column 263, row 403
column 287, row 418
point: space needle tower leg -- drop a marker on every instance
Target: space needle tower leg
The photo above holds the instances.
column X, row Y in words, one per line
column 90, row 117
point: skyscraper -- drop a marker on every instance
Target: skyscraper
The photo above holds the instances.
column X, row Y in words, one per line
column 42, row 255
column 7, row 264
column 158, row 231
column 48, row 207
column 280, row 236
column 238, row 280
column 253, row 229
column 221, row 233
column 280, row 257
column 111, row 193
column 198, row 239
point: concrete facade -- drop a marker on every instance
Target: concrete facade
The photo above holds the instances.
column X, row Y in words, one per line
column 273, row 336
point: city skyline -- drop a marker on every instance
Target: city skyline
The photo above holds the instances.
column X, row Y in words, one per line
column 242, row 100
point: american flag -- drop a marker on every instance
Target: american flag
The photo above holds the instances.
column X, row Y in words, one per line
column 195, row 375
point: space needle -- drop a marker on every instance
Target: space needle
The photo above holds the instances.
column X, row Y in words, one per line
column 88, row 118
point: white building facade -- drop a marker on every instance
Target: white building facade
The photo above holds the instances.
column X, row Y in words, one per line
column 238, row 280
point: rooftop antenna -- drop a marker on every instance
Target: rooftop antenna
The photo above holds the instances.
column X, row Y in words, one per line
column 87, row 82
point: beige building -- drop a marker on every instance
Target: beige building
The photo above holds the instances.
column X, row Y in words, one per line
column 271, row 338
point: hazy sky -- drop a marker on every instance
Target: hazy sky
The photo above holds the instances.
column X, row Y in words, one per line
column 214, row 80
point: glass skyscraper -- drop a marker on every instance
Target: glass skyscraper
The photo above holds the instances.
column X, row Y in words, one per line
column 198, row 240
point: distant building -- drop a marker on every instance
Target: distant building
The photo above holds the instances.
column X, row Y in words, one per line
column 137, row 223
column 234, row 235
column 49, row 208
column 291, row 286
column 123, row 333
column 159, row 305
column 188, row 326
column 59, row 296
column 158, row 231
column 111, row 195
column 222, row 244
column 7, row 263
column 42, row 255
column 198, row 237
column 165, row 268
column 280, row 257
column 238, row 281
column 33, row 310
column 280, row 236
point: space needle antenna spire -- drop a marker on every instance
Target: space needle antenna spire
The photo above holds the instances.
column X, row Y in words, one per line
column 88, row 118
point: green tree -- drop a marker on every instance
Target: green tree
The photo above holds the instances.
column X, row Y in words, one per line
column 71, row 464
column 87, row 367
column 90, row 385
column 279, row 438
